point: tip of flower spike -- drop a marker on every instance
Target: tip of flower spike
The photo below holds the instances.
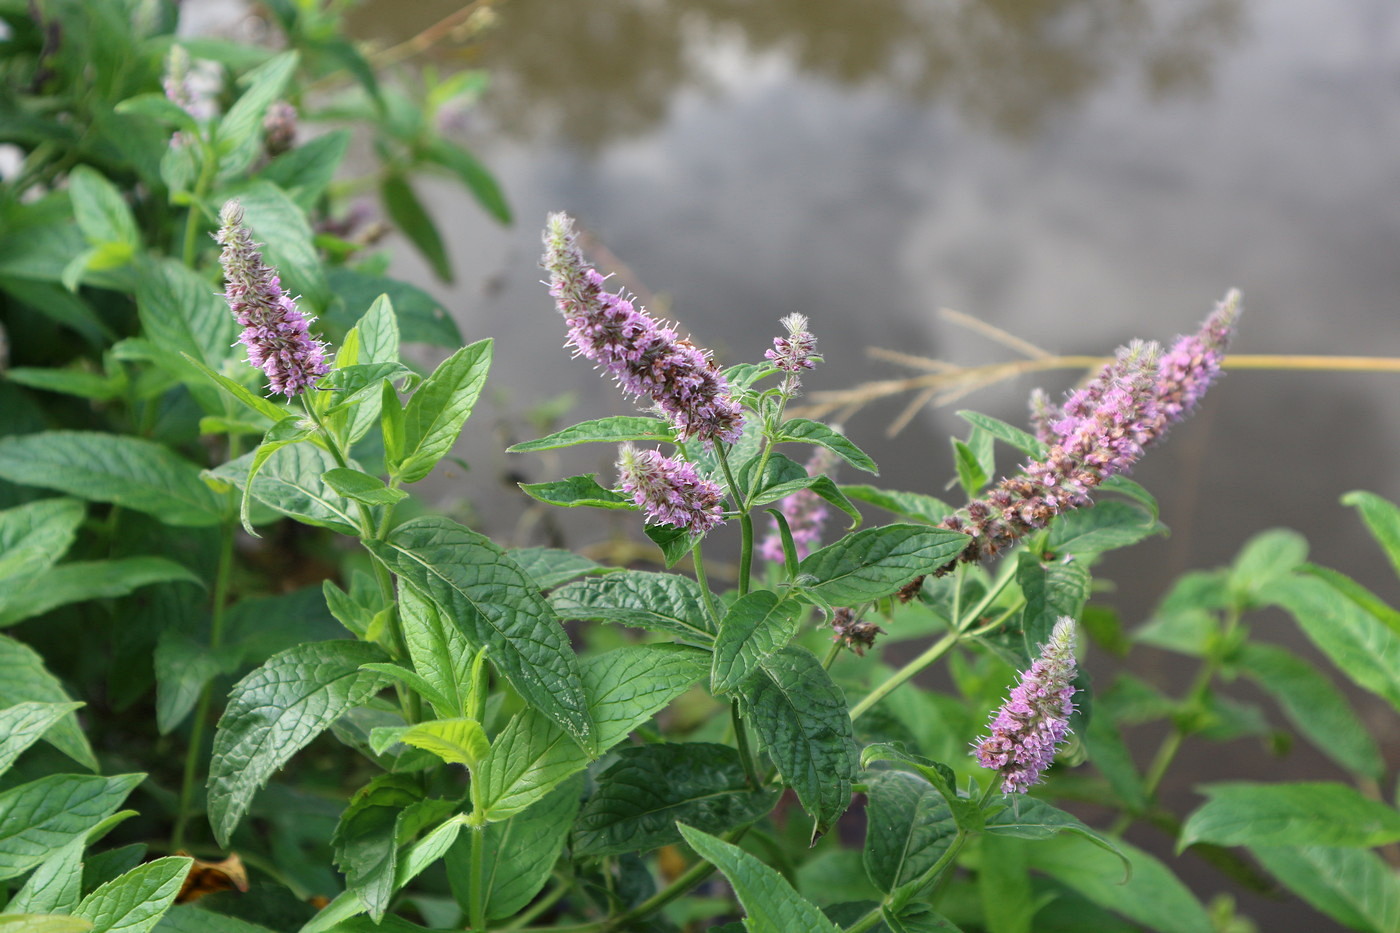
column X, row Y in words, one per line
column 232, row 213
column 1220, row 326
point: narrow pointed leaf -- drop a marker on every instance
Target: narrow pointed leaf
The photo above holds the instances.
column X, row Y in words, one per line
column 134, row 902
column 658, row 602
column 876, row 562
column 613, row 430
column 438, row 409
column 24, row 678
column 755, row 627
column 1302, row 813
column 40, row 816
column 770, row 903
column 908, row 828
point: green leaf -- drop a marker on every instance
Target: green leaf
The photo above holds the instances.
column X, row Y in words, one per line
column 455, row 741
column 1352, row 886
column 1300, row 814
column 971, row 476
column 181, row 311
column 75, row 382
column 287, row 241
column 675, row 543
column 182, row 667
column 409, row 215
column 1367, row 600
column 1361, row 646
column 520, row 853
column 613, row 430
column 1382, row 518
column 39, row 817
column 101, row 211
column 754, row 627
column 34, row 535
column 821, row 486
column 1051, row 590
column 440, row 652
column 379, row 345
column 1153, row 896
column 366, row 841
column 497, row 607
column 659, row 602
column 913, row 505
column 1004, row 883
column 1027, row 444
column 240, row 128
column 649, row 788
column 876, row 562
column 550, row 567
column 135, row 902
column 306, row 171
column 435, row 414
column 190, row 918
column 275, row 711
column 1105, row 527
column 472, row 173
column 532, row 756
column 290, row 482
column 23, row 724
column 83, row 580
column 362, row 487
column 56, row 885
column 805, row 431
column 23, row 678
column 31, row 923
column 1033, row 818
column 908, row 828
column 128, row 471
column 421, row 317
column 577, row 491
column 1266, row 557
column 272, row 411
column 1315, row 707
column 804, row 723
column 770, row 903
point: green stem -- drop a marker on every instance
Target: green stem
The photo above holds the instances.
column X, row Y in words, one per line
column 523, row 918
column 708, row 598
column 741, row 740
column 476, row 894
column 206, row 695
column 691, row 877
column 832, row 654
column 745, row 522
column 936, row 651
column 210, row 165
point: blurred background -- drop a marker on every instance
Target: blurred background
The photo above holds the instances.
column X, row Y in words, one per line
column 1075, row 172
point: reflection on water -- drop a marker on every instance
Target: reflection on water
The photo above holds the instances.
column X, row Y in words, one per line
column 598, row 71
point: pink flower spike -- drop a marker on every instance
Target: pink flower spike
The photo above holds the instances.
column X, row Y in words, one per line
column 1034, row 720
column 275, row 332
column 669, row 491
column 793, row 353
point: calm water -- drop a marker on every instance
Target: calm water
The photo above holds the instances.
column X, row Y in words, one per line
column 1077, row 173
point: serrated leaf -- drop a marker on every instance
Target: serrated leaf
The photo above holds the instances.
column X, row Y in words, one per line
column 1301, row 813
column 128, row 471
column 876, row 562
column 649, row 788
column 805, row 431
column 1026, row 443
column 804, row 723
column 1352, row 886
column 1382, row 519
column 551, row 567
column 409, row 216
column 23, row 724
column 456, row 741
column 23, row 678
column 366, row 838
column 1033, row 818
column 913, row 505
column 1313, row 705
column 275, row 711
column 908, row 828
column 1361, row 646
column 1153, row 896
column 56, row 885
column 34, row 535
column 135, row 902
column 658, row 602
column 290, row 482
column 435, row 414
column 519, row 853
column 440, row 652
column 362, row 487
column 1104, row 527
column 675, row 542
column 497, row 608
column 41, row 816
column 80, row 581
column 100, row 210
column 770, row 903
column 613, row 430
column 1051, row 590
column 577, row 491
column 625, row 687
column 752, row 630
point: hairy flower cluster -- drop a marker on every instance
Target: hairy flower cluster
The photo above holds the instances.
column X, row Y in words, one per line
column 855, row 634
column 669, row 490
column 1034, row 720
column 793, row 353
column 805, row 511
column 275, row 332
column 645, row 356
column 1101, row 431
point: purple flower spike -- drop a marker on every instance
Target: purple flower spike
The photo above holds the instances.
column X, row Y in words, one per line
column 805, row 512
column 645, row 356
column 669, row 491
column 1034, row 720
column 274, row 329
column 793, row 353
